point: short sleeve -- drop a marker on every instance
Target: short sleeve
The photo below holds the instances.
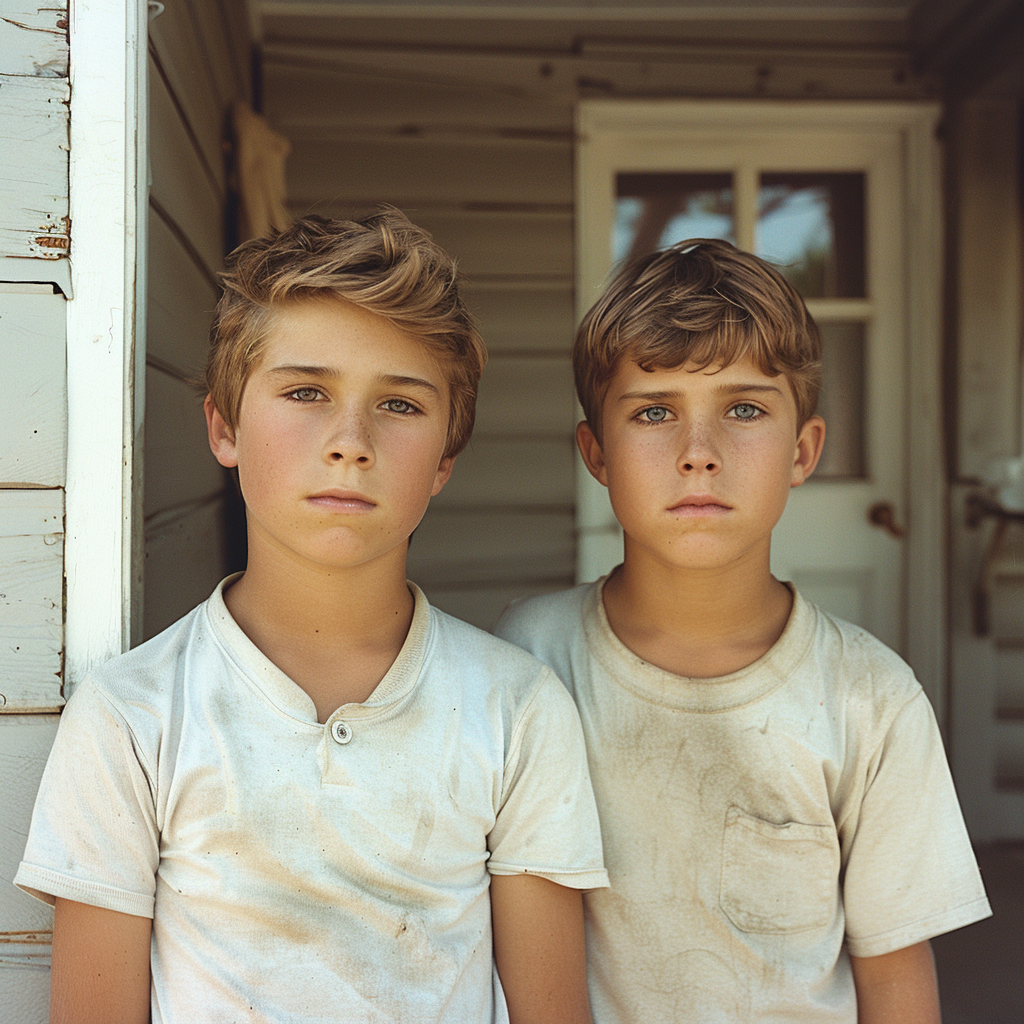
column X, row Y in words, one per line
column 94, row 836
column 547, row 822
column 911, row 872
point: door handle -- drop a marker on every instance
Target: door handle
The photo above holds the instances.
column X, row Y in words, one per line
column 884, row 515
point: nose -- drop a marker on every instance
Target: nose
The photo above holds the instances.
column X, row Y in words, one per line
column 350, row 440
column 698, row 453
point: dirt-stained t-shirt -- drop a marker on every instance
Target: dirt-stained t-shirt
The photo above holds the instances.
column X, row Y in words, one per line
column 759, row 828
column 298, row 871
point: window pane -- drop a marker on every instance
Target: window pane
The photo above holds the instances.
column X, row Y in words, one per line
column 812, row 226
column 842, row 400
column 653, row 210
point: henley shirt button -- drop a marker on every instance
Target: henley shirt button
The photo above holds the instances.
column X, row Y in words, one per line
column 341, row 731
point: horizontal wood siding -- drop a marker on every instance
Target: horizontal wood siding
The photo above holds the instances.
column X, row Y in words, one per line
column 492, row 181
column 199, row 66
column 25, row 742
column 34, row 243
column 33, row 387
column 34, row 39
column 184, row 561
column 176, row 443
column 34, row 98
column 31, row 599
column 26, row 924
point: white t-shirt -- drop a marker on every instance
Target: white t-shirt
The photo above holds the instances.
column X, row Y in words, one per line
column 298, row 872
column 759, row 827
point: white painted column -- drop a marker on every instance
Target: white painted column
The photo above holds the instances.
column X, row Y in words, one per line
column 105, row 329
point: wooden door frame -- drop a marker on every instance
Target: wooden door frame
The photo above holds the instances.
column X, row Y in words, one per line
column 105, row 328
column 915, row 124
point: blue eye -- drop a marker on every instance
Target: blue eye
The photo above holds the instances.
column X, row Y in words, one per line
column 399, row 405
column 746, row 411
column 655, row 414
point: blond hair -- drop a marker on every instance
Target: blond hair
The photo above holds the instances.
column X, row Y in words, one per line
column 702, row 301
column 382, row 263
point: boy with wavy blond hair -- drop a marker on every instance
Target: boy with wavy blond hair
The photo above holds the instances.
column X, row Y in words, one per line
column 309, row 799
column 780, row 827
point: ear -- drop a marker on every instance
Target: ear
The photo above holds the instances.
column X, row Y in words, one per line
column 809, row 442
column 444, row 470
column 590, row 449
column 222, row 437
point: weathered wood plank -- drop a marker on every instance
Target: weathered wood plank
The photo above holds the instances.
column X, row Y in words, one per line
column 25, row 742
column 180, row 302
column 523, row 318
column 526, row 398
column 184, row 62
column 528, row 246
column 499, row 473
column 184, row 562
column 34, row 184
column 31, row 599
column 492, row 548
column 179, row 466
column 25, row 994
column 504, row 243
column 180, row 184
column 33, row 390
column 373, row 99
column 34, row 39
column 620, row 68
column 225, row 26
column 415, row 170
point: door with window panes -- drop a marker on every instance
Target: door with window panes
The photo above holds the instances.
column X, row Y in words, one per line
column 827, row 205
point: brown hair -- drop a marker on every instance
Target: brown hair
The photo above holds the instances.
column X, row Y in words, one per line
column 382, row 263
column 702, row 301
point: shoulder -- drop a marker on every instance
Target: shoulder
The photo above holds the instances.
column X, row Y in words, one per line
column 142, row 692
column 494, row 671
column 480, row 651
column 546, row 613
column 857, row 668
column 552, row 626
column 548, row 620
column 484, row 661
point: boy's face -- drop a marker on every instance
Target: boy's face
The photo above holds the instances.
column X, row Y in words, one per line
column 340, row 436
column 699, row 463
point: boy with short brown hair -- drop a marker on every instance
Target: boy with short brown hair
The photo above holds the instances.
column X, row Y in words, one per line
column 780, row 828
column 315, row 797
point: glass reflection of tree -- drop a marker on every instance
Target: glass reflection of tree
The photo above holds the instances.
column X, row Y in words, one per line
column 813, row 225
column 658, row 209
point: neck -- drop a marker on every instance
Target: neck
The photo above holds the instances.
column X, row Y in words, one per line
column 334, row 632
column 697, row 623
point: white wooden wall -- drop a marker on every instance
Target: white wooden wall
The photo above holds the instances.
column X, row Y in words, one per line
column 199, row 64
column 33, row 426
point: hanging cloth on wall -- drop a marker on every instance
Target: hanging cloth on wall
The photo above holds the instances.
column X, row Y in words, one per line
column 260, row 154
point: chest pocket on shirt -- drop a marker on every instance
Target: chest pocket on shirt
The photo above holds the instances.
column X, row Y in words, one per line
column 778, row 878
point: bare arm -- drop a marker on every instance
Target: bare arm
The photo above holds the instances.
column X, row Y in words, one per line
column 539, row 950
column 100, row 971
column 898, row 987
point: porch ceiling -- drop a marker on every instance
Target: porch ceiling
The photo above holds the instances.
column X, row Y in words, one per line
column 665, row 47
column 538, row 27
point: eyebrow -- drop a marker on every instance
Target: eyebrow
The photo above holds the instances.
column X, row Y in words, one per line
column 393, row 380
column 725, row 389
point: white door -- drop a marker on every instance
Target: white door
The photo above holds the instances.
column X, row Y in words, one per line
column 827, row 198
